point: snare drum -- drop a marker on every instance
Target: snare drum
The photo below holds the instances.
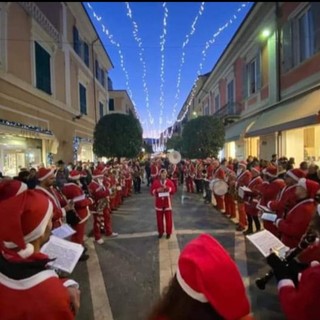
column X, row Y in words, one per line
column 219, row 187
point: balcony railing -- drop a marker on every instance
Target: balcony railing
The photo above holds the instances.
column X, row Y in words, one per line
column 229, row 112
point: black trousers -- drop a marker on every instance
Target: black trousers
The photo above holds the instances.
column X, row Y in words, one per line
column 137, row 184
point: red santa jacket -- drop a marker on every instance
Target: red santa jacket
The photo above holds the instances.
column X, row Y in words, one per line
column 220, row 174
column 286, row 200
column 251, row 203
column 296, row 223
column 98, row 193
column 37, row 297
column 301, row 302
column 154, row 170
column 244, row 178
column 270, row 192
column 58, row 211
column 162, row 202
column 74, row 192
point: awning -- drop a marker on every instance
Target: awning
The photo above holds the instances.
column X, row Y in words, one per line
column 290, row 114
column 238, row 129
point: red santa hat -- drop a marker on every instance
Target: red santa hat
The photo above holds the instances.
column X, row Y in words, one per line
column 30, row 213
column 207, row 274
column 97, row 174
column 44, row 173
column 11, row 188
column 74, row 175
column 296, row 174
column 256, row 169
column 272, row 171
column 311, row 186
column 243, row 164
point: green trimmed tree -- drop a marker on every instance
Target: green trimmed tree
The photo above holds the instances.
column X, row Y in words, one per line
column 118, row 135
column 203, row 137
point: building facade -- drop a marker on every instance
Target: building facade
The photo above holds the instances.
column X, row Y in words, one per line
column 266, row 85
column 53, row 83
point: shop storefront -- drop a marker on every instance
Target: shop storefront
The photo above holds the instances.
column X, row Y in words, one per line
column 23, row 146
column 83, row 149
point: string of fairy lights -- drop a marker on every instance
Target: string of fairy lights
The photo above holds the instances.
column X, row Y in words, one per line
column 208, row 44
column 158, row 144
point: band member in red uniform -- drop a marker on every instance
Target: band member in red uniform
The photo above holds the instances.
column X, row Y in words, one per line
column 298, row 218
column 28, row 289
column 251, row 201
column 73, row 191
column 299, row 284
column 287, row 197
column 163, row 189
column 46, row 180
column 189, row 172
column 219, row 173
column 271, row 192
column 173, row 172
column 101, row 207
column 243, row 179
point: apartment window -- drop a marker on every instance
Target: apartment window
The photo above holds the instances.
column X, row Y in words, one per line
column 80, row 46
column 217, row 102
column 83, row 99
column 230, row 95
column 101, row 109
column 43, row 69
column 206, row 110
column 111, row 104
column 301, row 37
column 100, row 74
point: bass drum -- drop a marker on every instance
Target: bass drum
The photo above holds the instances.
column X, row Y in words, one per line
column 219, row 187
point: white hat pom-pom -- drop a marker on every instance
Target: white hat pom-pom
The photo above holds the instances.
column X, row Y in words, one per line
column 27, row 252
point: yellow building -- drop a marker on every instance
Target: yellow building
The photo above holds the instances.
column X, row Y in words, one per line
column 53, row 83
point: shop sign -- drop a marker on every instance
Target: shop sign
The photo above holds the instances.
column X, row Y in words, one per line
column 30, row 134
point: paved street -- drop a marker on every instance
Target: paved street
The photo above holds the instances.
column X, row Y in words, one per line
column 124, row 276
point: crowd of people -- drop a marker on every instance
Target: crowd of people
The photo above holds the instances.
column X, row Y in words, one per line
column 41, row 200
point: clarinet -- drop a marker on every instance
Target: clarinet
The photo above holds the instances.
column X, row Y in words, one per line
column 307, row 240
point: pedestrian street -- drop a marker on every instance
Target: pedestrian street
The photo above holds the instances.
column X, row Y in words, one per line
column 123, row 277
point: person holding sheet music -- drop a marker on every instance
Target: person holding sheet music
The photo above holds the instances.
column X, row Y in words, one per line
column 287, row 197
column 163, row 189
column 270, row 191
column 299, row 283
column 46, row 180
column 298, row 218
column 251, row 201
column 28, row 289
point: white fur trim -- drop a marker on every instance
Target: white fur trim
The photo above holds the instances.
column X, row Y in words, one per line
column 285, row 283
column 293, row 176
column 303, row 183
column 271, row 175
column 27, row 252
column 22, row 188
column 51, row 172
column 77, row 177
column 314, row 263
column 71, row 283
column 34, row 234
column 318, row 209
column 189, row 291
column 268, row 204
column 27, row 283
column 277, row 222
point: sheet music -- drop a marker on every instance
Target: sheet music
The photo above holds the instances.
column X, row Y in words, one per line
column 63, row 231
column 66, row 253
column 163, row 194
column 266, row 243
column 264, row 208
column 269, row 216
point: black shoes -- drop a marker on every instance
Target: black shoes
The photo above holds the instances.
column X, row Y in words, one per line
column 160, row 236
column 168, row 236
column 84, row 257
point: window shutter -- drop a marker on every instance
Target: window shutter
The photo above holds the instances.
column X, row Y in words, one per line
column 86, row 54
column 245, row 74
column 258, row 70
column 287, row 45
column 97, row 70
column 101, row 109
column 76, row 44
column 111, row 104
column 83, row 100
column 315, row 12
column 43, row 73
